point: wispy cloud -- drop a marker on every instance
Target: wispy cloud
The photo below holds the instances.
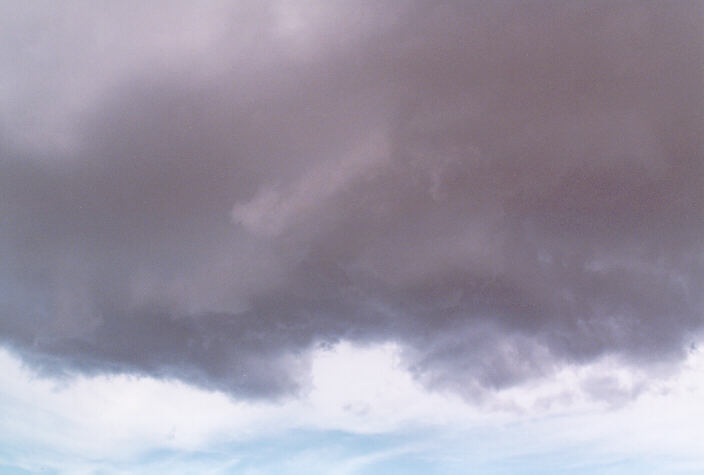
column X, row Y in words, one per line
column 378, row 416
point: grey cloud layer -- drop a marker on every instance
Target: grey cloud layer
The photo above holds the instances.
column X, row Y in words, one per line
column 499, row 187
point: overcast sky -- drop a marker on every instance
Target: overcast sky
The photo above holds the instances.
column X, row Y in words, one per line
column 362, row 236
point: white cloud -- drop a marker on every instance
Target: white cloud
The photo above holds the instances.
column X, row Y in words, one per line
column 358, row 389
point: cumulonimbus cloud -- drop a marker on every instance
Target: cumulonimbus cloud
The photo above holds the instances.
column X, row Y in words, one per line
column 497, row 187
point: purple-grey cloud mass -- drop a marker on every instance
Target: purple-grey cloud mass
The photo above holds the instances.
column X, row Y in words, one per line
column 208, row 192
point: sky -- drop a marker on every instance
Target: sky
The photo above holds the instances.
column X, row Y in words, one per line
column 297, row 236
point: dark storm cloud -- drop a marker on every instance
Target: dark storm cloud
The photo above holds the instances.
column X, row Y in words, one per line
column 500, row 187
